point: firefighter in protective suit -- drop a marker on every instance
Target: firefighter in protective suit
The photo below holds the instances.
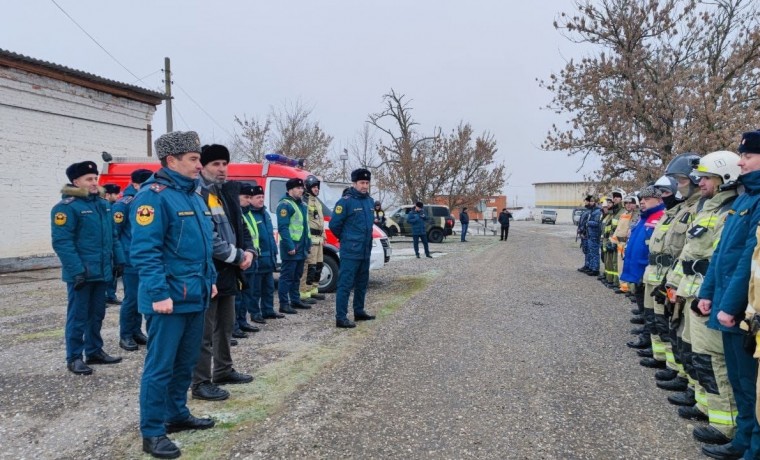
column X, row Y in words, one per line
column 611, row 272
column 715, row 398
column 606, row 204
column 680, row 374
column 621, row 233
column 312, row 269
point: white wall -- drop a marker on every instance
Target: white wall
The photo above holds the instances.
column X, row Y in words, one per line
column 45, row 125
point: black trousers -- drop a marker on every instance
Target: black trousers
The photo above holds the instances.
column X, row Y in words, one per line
column 504, row 232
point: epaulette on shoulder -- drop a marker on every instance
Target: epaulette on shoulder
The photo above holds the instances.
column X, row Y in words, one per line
column 68, row 200
column 127, row 199
column 158, row 188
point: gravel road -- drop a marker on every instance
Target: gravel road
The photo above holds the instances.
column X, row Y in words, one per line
column 489, row 350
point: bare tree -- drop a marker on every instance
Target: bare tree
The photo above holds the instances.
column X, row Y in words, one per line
column 296, row 136
column 250, row 145
column 669, row 76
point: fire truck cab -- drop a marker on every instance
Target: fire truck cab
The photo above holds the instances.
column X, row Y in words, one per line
column 272, row 176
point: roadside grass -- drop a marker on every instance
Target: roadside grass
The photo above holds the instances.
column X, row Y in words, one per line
column 47, row 334
column 276, row 382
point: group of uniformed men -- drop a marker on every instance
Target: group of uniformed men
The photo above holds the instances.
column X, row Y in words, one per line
column 688, row 259
column 197, row 254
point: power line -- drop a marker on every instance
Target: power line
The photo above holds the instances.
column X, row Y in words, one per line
column 149, row 75
column 176, row 109
column 203, row 110
column 95, row 41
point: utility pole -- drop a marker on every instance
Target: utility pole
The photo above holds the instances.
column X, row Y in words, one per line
column 168, row 90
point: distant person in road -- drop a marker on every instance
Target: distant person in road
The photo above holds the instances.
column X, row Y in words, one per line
column 464, row 218
column 90, row 252
column 130, row 320
column 417, row 219
column 380, row 216
column 111, row 195
column 172, row 247
column 504, row 217
column 351, row 223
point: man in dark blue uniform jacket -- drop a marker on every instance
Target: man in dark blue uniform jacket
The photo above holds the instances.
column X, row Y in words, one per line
column 172, row 243
column 130, row 320
column 85, row 241
column 351, row 223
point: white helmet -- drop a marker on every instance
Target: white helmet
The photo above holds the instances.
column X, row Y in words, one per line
column 618, row 191
column 631, row 199
column 722, row 164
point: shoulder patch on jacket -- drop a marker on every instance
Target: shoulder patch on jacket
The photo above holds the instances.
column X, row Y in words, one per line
column 338, row 209
column 127, row 199
column 157, row 187
column 60, row 218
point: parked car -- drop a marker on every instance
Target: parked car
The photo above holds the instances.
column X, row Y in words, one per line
column 439, row 225
column 577, row 215
column 548, row 216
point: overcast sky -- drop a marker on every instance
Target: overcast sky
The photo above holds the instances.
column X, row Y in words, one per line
column 474, row 61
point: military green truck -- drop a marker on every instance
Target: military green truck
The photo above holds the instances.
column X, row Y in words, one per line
column 438, row 226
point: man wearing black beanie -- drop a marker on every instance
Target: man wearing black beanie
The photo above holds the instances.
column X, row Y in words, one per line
column 130, row 320
column 233, row 252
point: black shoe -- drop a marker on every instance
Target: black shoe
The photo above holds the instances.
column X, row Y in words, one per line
column 641, row 341
column 140, row 338
column 103, row 358
column 637, row 330
column 233, row 343
column 344, row 323
column 160, row 447
column 78, row 367
column 652, row 363
column 274, row 315
column 645, row 353
column 318, row 296
column 620, row 291
column 190, row 423
column 591, row 273
column 638, row 320
column 428, row 256
column 363, row 316
column 665, row 374
column 238, row 334
column 286, row 309
column 685, row 398
column 418, row 256
column 724, row 452
column 583, row 269
column 233, row 378
column 259, row 319
column 710, row 435
column 207, row 391
column 692, row 413
column 128, row 344
column 299, row 305
column 636, row 312
column 113, row 301
column 249, row 328
column 309, row 301
column 676, row 384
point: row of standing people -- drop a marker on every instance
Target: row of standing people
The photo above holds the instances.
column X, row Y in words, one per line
column 190, row 244
column 690, row 262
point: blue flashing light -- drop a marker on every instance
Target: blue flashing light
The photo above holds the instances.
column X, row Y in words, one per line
column 283, row 160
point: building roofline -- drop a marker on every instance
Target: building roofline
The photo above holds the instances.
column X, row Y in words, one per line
column 79, row 77
column 576, row 183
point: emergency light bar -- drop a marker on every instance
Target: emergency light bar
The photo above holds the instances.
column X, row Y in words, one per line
column 283, row 160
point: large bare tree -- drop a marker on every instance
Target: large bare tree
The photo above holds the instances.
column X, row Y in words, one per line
column 666, row 77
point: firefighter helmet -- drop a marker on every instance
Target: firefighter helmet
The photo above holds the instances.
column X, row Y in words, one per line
column 667, row 183
column 618, row 191
column 723, row 164
column 683, row 165
column 311, row 181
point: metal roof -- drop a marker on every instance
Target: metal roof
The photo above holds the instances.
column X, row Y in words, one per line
column 29, row 64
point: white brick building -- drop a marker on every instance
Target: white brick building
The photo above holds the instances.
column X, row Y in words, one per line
column 52, row 116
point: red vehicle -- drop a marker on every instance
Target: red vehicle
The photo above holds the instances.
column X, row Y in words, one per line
column 271, row 175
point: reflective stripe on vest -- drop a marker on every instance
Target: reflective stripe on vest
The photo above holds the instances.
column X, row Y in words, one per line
column 296, row 226
column 253, row 229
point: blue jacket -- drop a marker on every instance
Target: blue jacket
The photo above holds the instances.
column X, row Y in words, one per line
column 727, row 279
column 121, row 222
column 267, row 245
column 352, row 224
column 84, row 236
column 285, row 212
column 594, row 223
column 172, row 243
column 464, row 217
column 417, row 220
column 637, row 249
